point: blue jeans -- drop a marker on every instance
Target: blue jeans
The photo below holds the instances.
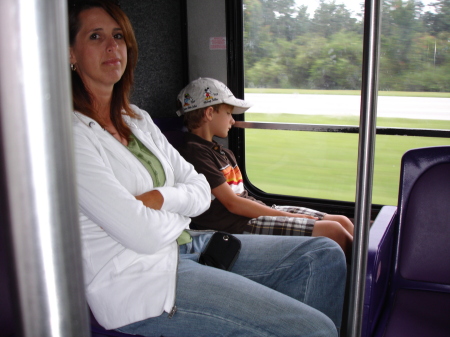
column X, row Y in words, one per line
column 279, row 286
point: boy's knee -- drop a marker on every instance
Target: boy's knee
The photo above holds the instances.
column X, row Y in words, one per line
column 335, row 231
column 339, row 234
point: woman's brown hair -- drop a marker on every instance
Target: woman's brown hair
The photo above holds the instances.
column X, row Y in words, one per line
column 120, row 101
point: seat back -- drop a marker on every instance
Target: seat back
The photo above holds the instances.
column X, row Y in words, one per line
column 424, row 222
column 172, row 128
column 419, row 297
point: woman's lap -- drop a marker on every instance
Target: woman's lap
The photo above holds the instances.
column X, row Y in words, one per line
column 313, row 269
column 213, row 302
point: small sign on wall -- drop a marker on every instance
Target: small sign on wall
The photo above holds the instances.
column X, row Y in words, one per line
column 217, row 43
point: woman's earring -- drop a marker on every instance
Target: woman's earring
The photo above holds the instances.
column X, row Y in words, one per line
column 73, row 67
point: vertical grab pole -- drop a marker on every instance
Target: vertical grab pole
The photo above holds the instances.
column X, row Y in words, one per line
column 372, row 22
column 36, row 140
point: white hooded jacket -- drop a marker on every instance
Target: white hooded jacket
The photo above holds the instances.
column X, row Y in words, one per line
column 130, row 254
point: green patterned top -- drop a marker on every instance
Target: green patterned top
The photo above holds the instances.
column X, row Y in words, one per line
column 149, row 160
column 154, row 167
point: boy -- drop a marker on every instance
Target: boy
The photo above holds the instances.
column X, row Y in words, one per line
column 207, row 106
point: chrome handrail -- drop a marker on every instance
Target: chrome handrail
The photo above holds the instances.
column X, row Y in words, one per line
column 388, row 131
column 366, row 154
column 36, row 140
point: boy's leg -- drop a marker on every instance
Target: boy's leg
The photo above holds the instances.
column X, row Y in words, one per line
column 336, row 227
column 280, row 225
column 300, row 210
column 213, row 302
column 343, row 220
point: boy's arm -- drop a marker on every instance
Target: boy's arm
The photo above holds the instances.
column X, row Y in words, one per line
column 246, row 207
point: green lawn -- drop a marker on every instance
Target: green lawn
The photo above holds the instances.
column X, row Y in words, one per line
column 324, row 165
column 343, row 92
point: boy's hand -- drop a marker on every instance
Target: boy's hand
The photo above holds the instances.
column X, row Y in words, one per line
column 152, row 199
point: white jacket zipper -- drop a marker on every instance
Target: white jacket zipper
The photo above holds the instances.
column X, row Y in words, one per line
column 174, row 307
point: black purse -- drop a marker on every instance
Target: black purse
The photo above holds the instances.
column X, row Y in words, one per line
column 221, row 252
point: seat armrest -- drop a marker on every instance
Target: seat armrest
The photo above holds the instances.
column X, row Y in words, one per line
column 381, row 239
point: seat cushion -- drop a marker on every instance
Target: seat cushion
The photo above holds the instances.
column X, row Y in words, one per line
column 419, row 313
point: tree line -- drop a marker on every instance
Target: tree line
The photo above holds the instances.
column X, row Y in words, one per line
column 286, row 48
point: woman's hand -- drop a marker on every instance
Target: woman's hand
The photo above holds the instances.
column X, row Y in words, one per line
column 152, row 199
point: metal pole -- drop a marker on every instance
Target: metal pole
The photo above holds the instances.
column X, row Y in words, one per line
column 372, row 21
column 35, row 119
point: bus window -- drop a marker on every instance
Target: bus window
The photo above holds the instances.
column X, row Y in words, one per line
column 302, row 65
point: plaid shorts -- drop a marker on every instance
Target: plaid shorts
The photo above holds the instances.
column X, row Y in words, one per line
column 284, row 225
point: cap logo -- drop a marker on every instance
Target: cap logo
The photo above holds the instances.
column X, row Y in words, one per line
column 209, row 96
column 188, row 101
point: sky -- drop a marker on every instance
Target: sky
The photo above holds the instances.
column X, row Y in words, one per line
column 352, row 5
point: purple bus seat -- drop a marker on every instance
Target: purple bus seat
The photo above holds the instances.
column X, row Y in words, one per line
column 381, row 239
column 418, row 297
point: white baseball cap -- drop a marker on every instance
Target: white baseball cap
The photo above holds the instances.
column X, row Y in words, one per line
column 204, row 92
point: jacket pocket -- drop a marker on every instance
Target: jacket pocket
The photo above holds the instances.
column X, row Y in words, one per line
column 125, row 259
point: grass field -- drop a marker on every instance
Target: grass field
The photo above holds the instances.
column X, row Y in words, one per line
column 324, row 165
column 344, row 92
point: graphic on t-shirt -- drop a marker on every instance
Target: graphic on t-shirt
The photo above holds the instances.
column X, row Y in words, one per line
column 233, row 177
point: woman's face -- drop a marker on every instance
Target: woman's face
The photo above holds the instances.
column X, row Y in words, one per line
column 99, row 51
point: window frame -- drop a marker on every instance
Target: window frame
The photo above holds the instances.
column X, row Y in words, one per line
column 236, row 138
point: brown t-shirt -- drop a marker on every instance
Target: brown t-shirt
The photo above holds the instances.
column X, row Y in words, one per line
column 219, row 165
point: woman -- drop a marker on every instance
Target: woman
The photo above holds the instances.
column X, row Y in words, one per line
column 136, row 197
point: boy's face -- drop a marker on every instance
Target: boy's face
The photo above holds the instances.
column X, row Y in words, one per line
column 222, row 121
